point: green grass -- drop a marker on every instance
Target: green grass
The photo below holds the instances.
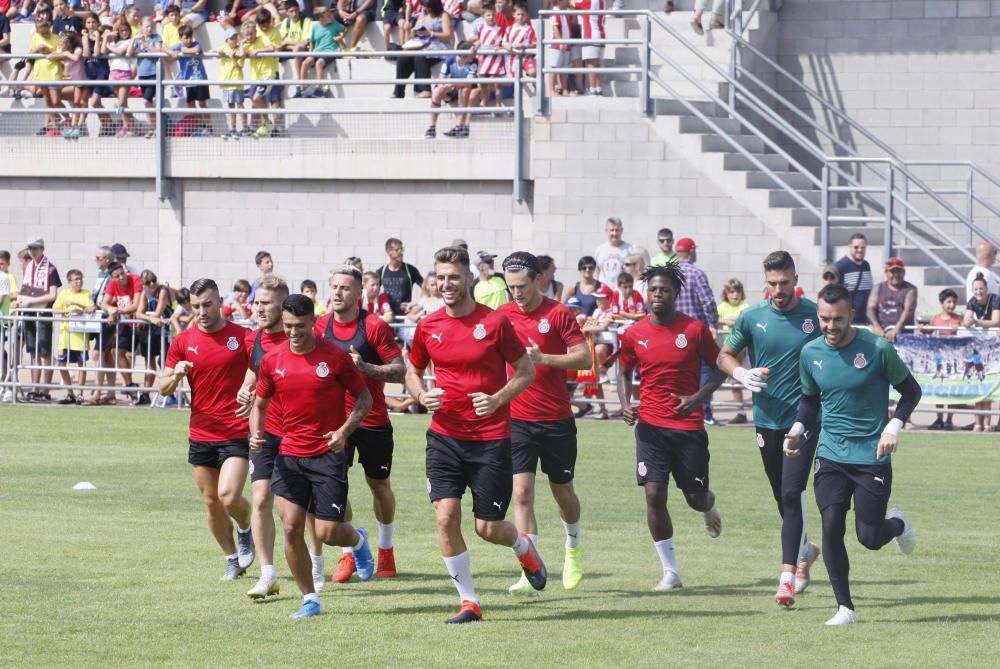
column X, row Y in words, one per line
column 127, row 575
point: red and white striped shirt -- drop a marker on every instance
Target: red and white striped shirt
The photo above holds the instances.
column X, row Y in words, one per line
column 416, row 8
column 632, row 304
column 379, row 306
column 453, row 8
column 520, row 37
column 490, row 37
column 592, row 26
column 561, row 24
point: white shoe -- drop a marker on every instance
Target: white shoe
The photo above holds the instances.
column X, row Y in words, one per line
column 618, row 5
column 670, row 581
column 265, row 588
column 8, row 397
column 319, row 580
column 713, row 523
column 843, row 616
column 906, row 541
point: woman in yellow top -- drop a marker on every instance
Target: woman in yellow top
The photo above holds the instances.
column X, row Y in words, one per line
column 732, row 303
column 47, row 69
column 74, row 301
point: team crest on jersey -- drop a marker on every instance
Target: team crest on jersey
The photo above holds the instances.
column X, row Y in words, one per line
column 543, row 325
column 682, row 341
column 642, row 469
column 760, row 440
column 322, row 371
column 860, row 361
column 480, row 331
column 232, row 344
column 807, row 326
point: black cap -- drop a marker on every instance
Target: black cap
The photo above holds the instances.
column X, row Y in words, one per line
column 119, row 251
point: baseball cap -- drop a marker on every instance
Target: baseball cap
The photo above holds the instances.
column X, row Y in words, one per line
column 460, row 243
column 119, row 251
column 485, row 256
column 895, row 262
column 38, row 243
column 604, row 292
column 574, row 302
column 229, row 34
column 684, row 244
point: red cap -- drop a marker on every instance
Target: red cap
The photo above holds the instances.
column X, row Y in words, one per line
column 604, row 292
column 684, row 245
column 895, row 262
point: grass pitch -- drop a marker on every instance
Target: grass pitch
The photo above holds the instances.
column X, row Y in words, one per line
column 127, row 574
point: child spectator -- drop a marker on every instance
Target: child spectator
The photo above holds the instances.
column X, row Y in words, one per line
column 732, row 303
column 429, row 302
column 264, row 39
column 393, row 16
column 171, row 26
column 5, row 34
column 490, row 37
column 356, row 14
column 94, row 47
column 296, row 31
column 558, row 56
column 191, row 68
column 454, row 70
column 119, row 44
column 600, row 321
column 182, row 315
column 627, row 301
column 265, row 265
column 148, row 42
column 238, row 305
column 945, row 319
column 71, row 54
column 231, row 69
column 134, row 20
column 592, row 27
column 373, row 300
column 65, row 20
column 43, row 41
column 72, row 301
column 521, row 39
column 327, row 35
column 309, row 289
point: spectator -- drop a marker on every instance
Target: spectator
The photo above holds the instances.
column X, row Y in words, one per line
column 237, row 306
column 429, row 302
column 122, row 255
column 521, row 39
column 134, row 23
column 231, row 69
column 983, row 308
column 599, row 321
column 489, row 288
column 892, row 304
column 627, row 302
column 44, row 41
column 265, row 265
column 102, row 352
column 156, row 309
column 592, row 27
column 460, row 244
column 355, row 262
column 636, row 264
column 191, row 68
column 455, row 69
column 393, row 16
column 546, row 278
column 65, row 20
column 148, row 42
column 733, row 302
column 170, row 26
column 97, row 68
column 583, row 290
column 39, row 289
column 236, row 11
column 6, row 291
column 309, row 289
column 183, row 315
column 718, row 7
column 986, row 257
column 356, row 14
column 327, row 35
column 612, row 254
column 696, row 300
column 296, row 32
column 946, row 318
column 398, row 277
column 121, row 302
column 72, row 301
column 856, row 276
column 373, row 300
column 263, row 38
column 435, row 28
column 830, row 275
column 71, row 54
column 120, row 46
column 489, row 37
column 559, row 56
column 665, row 242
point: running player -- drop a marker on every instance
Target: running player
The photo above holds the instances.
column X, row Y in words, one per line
column 669, row 348
column 774, row 332
column 542, row 425
column 849, row 371
column 212, row 358
column 468, row 443
column 270, row 293
column 372, row 345
column 311, row 378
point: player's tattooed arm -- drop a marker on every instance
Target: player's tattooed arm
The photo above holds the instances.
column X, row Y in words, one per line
column 392, row 371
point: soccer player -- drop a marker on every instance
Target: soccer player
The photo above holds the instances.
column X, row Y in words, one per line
column 268, row 298
column 669, row 348
column 311, row 378
column 468, row 443
column 849, row 371
column 542, row 425
column 372, row 345
column 774, row 333
column 212, row 358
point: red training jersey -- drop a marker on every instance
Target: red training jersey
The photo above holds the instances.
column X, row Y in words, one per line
column 669, row 359
column 219, row 363
column 380, row 305
column 383, row 342
column 554, row 328
column 268, row 340
column 125, row 297
column 470, row 354
column 314, row 387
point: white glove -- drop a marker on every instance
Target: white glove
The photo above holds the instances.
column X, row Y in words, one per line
column 754, row 380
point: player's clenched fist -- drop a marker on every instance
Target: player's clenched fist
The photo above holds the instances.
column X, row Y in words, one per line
column 432, row 399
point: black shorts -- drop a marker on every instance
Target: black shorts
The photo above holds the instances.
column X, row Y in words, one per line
column 484, row 466
column 317, row 484
column 368, row 13
column 148, row 92
column 262, row 464
column 393, row 17
column 197, row 93
column 870, row 486
column 662, row 451
column 214, row 453
column 123, row 338
column 37, row 337
column 553, row 441
column 374, row 447
column 787, row 476
column 67, row 357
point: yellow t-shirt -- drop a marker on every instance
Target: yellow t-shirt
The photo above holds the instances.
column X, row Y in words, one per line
column 319, row 309
column 45, row 69
column 171, row 34
column 72, row 341
column 731, row 311
column 136, row 29
column 15, row 289
column 267, row 67
column 230, row 68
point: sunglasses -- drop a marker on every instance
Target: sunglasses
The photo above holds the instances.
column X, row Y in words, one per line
column 586, row 267
column 664, row 240
column 630, row 264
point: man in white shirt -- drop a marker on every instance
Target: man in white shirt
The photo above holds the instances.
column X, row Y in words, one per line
column 611, row 256
column 986, row 257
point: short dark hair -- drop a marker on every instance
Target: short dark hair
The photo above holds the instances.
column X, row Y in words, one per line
column 259, row 258
column 858, row 235
column 521, row 261
column 290, row 4
column 184, row 31
column 171, row 9
column 670, row 271
column 833, row 293
column 585, row 260
column 779, row 261
column 5, row 256
column 200, row 286
column 115, row 266
column 464, row 45
column 392, row 241
column 307, row 283
column 183, row 295
column 544, row 262
column 263, row 16
column 664, row 231
column 74, row 272
column 452, row 255
column 242, row 285
column 298, row 305
column 946, row 293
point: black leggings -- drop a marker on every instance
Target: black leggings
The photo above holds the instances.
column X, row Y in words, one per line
column 788, row 478
column 419, row 66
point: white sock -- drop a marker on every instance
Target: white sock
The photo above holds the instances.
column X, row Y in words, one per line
column 521, row 545
column 311, row 597
column 233, row 556
column 345, row 549
column 385, row 535
column 241, row 530
column 572, row 534
column 787, row 577
column 318, row 561
column 361, row 542
column 460, row 569
column 534, row 538
column 267, row 571
column 665, row 549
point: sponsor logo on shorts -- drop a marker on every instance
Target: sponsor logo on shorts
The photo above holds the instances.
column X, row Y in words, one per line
column 859, row 361
column 251, row 467
column 322, row 371
column 879, row 479
column 428, row 486
column 642, row 469
column 760, row 440
column 480, row 331
column 682, row 341
column 338, row 507
column 543, row 325
column 816, row 467
column 808, row 326
column 700, row 480
column 232, row 344
column 498, row 505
